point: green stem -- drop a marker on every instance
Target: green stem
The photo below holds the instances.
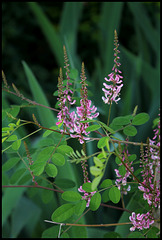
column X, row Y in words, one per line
column 109, row 115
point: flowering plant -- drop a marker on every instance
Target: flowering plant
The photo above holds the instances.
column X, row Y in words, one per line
column 77, row 120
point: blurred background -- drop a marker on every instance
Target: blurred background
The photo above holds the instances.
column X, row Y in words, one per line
column 36, row 32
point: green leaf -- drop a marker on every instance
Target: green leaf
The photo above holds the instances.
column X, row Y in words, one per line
column 18, row 122
column 73, row 73
column 48, row 132
column 112, row 235
column 140, row 119
column 123, row 120
column 92, row 128
column 10, row 163
column 24, row 179
column 114, row 194
column 80, row 207
column 95, row 201
column 14, row 111
column 152, row 232
column 64, row 149
column 46, row 195
column 51, row 232
column 5, row 129
column 37, row 168
column 132, row 157
column 45, row 115
column 16, row 145
column 106, row 183
column 96, row 181
column 105, row 196
column 106, row 127
column 95, row 171
column 130, row 131
column 102, row 142
column 117, row 160
column 11, row 138
column 58, row 159
column 45, row 154
column 136, row 235
column 17, row 175
column 122, row 170
column 63, row 212
column 71, row 196
column 98, row 162
column 65, row 183
column 51, row 170
column 3, row 139
column 87, row 186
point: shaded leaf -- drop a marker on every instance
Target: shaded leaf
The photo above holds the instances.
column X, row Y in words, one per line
column 10, row 163
column 140, row 119
column 130, row 131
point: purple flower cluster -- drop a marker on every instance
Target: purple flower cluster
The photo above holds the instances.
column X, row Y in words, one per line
column 150, row 164
column 112, row 90
column 141, row 221
column 72, row 121
column 84, row 112
column 87, row 196
column 122, row 180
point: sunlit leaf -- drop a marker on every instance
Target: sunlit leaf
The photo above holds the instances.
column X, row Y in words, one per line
column 95, row 201
column 63, row 212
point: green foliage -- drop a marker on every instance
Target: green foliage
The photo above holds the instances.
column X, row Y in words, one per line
column 92, row 128
column 80, row 207
column 51, row 170
column 95, row 201
column 58, row 159
column 114, row 194
column 130, row 131
column 63, row 212
column 112, row 235
column 71, row 196
column 140, row 119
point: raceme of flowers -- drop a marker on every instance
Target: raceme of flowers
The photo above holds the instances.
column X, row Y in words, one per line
column 121, row 181
column 72, row 120
column 140, row 221
column 150, row 164
column 112, row 90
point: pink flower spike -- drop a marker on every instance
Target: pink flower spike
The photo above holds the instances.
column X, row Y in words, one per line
column 112, row 91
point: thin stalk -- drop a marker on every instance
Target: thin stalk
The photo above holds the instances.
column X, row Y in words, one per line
column 109, row 114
